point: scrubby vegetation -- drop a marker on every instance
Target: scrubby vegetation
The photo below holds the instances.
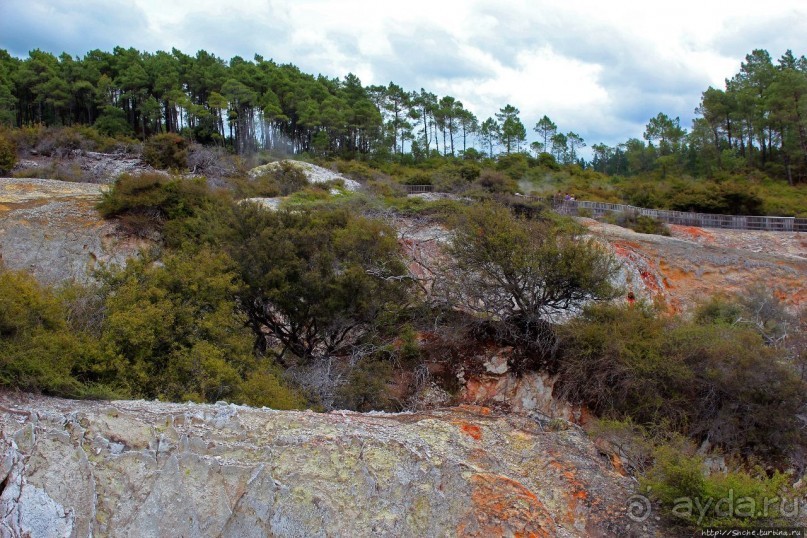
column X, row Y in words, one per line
column 166, row 151
column 734, row 499
column 165, row 330
column 519, row 274
column 8, row 152
column 709, row 380
column 312, row 305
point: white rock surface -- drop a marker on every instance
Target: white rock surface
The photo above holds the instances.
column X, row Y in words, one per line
column 314, row 173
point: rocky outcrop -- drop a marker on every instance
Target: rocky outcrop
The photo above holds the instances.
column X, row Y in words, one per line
column 313, row 173
column 530, row 393
column 134, row 468
column 696, row 263
column 52, row 229
column 81, row 166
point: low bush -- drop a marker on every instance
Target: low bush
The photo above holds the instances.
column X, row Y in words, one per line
column 62, row 171
column 154, row 202
column 38, row 350
column 514, row 165
column 173, row 329
column 212, row 161
column 547, row 160
column 708, row 381
column 280, row 179
column 264, row 387
column 496, row 182
column 8, row 152
column 315, row 281
column 736, row 499
column 166, row 151
column 358, row 170
column 366, row 386
column 290, row 178
column 62, row 141
column 518, row 274
column 731, row 198
column 643, row 224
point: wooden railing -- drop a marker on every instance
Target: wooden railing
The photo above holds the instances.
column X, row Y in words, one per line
column 702, row 220
column 418, row 189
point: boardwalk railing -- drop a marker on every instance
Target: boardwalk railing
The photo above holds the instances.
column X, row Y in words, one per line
column 702, row 220
column 418, row 189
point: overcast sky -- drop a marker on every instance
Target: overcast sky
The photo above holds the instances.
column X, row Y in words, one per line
column 599, row 68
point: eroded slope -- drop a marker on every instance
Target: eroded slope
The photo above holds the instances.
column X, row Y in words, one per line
column 695, row 263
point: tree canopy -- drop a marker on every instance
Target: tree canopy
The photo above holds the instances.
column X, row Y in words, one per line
column 757, row 120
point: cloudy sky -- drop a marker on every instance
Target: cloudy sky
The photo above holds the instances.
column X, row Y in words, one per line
column 599, row 68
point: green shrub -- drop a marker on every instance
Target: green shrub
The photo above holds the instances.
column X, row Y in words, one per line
column 718, row 310
column 731, row 198
column 112, row 122
column 734, row 499
column 263, row 186
column 38, row 351
column 469, row 171
column 316, row 281
column 612, row 360
column 62, row 171
column 528, row 208
column 166, row 151
column 514, row 165
column 366, row 386
column 278, row 179
column 385, row 188
column 441, row 209
column 151, row 201
column 8, row 152
column 358, row 170
column 547, row 160
column 525, row 271
column 310, row 197
column 496, row 182
column 61, row 141
column 634, row 443
column 409, row 348
column 264, row 388
column 97, row 141
column 643, row 224
column 730, row 399
column 707, row 381
column 173, row 329
column 650, row 225
column 419, row 178
column 27, row 137
column 290, row 178
column 83, row 306
column 134, row 192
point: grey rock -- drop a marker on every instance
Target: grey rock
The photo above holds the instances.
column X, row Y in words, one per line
column 135, row 468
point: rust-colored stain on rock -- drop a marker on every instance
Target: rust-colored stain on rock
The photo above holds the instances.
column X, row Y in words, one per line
column 471, row 430
column 504, row 507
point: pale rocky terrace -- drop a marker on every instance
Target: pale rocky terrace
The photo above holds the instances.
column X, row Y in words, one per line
column 136, row 468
